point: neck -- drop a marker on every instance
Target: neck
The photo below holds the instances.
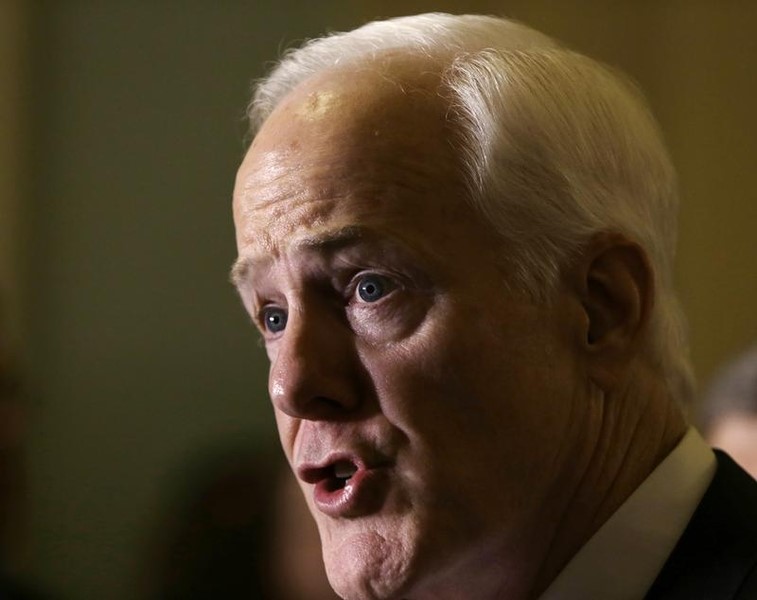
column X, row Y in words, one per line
column 640, row 425
column 635, row 428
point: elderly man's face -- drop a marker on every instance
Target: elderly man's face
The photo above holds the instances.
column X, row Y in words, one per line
column 427, row 411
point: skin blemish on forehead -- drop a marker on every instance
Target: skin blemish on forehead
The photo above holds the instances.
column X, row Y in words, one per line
column 318, row 105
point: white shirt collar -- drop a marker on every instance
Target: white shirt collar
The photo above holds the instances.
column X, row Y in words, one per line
column 623, row 558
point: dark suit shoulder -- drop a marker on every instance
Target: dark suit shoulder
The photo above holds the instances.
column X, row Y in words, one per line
column 716, row 557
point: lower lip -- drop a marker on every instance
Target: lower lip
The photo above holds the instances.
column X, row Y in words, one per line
column 363, row 494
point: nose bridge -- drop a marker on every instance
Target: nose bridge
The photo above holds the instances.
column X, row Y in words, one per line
column 314, row 374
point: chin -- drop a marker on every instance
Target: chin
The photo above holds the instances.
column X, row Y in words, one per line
column 369, row 566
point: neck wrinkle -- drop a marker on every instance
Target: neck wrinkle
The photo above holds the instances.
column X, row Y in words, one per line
column 639, row 426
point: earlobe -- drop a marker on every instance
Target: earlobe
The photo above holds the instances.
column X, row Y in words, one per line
column 616, row 286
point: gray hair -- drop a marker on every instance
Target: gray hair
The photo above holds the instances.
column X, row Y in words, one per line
column 554, row 148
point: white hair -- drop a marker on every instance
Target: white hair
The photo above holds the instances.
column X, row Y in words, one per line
column 554, row 148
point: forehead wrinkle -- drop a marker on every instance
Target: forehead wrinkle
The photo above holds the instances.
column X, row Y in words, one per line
column 245, row 267
column 268, row 176
column 325, row 243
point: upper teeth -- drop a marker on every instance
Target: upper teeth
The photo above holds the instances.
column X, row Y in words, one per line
column 344, row 470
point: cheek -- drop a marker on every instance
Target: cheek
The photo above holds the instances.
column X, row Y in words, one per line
column 484, row 384
column 390, row 322
column 421, row 388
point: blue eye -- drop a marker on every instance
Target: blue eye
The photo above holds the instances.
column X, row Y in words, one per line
column 274, row 319
column 372, row 288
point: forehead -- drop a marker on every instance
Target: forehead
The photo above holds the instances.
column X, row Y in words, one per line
column 369, row 146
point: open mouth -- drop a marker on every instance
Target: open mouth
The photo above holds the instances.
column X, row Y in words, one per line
column 339, row 474
column 347, row 487
column 334, row 476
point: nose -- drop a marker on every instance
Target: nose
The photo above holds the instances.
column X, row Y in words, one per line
column 315, row 371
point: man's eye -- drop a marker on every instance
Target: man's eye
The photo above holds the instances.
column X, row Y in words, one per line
column 274, row 319
column 371, row 288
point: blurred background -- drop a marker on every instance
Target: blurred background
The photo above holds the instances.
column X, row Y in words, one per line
column 121, row 127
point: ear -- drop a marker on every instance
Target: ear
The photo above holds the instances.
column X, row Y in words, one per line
column 615, row 283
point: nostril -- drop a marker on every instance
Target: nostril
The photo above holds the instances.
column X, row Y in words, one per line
column 322, row 408
column 330, row 404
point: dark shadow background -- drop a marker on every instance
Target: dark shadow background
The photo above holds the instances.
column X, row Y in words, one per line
column 138, row 355
column 140, row 351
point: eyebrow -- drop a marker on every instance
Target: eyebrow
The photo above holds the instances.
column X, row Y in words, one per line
column 328, row 241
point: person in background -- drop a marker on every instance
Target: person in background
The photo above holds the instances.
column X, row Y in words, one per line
column 456, row 238
column 729, row 410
